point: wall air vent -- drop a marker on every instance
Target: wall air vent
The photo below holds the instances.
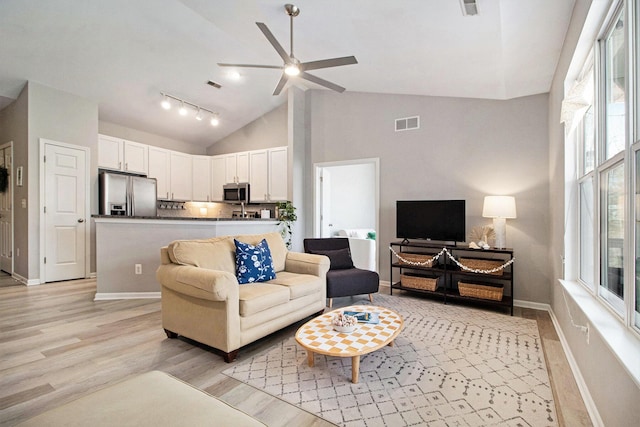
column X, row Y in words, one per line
column 214, row 84
column 469, row 7
column 408, row 123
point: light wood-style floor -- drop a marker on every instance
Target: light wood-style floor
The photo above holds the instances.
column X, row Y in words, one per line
column 57, row 344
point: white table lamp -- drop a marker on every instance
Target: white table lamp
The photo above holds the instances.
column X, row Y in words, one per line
column 499, row 208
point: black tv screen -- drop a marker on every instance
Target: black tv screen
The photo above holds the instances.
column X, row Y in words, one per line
column 442, row 220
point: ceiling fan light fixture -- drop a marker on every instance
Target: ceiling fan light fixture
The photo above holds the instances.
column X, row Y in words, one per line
column 292, row 70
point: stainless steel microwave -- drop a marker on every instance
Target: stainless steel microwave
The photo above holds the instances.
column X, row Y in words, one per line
column 236, row 193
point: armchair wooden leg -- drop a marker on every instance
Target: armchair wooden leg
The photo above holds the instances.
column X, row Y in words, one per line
column 371, row 297
column 330, row 302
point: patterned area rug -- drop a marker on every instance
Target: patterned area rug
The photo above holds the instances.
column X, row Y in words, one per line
column 450, row 366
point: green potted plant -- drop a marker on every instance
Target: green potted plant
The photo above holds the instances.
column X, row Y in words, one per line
column 286, row 217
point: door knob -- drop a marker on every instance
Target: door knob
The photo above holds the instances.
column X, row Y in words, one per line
column 80, row 220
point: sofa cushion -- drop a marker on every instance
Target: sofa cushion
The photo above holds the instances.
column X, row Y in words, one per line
column 214, row 254
column 261, row 296
column 299, row 285
column 253, row 263
column 340, row 258
column 276, row 245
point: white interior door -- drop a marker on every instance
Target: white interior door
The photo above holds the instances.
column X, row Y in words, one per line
column 65, row 213
column 6, row 214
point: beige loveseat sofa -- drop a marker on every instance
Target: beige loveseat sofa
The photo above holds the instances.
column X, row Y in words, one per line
column 202, row 300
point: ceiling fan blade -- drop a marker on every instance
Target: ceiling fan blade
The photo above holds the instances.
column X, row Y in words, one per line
column 322, row 82
column 281, row 83
column 326, row 63
column 279, row 67
column 277, row 46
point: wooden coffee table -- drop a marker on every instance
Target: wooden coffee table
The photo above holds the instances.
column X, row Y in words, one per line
column 318, row 336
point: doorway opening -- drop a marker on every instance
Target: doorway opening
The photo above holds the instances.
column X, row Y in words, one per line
column 346, row 203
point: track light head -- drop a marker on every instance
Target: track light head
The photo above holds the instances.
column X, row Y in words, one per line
column 199, row 114
column 166, row 103
column 183, row 109
column 215, row 121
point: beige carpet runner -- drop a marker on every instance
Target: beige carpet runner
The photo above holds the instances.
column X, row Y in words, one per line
column 450, row 366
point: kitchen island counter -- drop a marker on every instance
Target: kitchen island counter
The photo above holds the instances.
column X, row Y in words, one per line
column 128, row 248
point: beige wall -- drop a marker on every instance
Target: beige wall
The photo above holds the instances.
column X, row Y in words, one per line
column 464, row 149
column 112, row 129
column 268, row 131
column 14, row 126
column 612, row 391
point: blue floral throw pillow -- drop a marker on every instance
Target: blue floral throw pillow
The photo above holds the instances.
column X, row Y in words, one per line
column 253, row 263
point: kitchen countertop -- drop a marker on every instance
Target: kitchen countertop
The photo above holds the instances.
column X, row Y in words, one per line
column 178, row 218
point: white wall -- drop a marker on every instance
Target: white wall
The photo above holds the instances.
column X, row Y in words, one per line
column 464, row 149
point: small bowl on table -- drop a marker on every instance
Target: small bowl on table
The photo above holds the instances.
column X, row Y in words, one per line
column 344, row 323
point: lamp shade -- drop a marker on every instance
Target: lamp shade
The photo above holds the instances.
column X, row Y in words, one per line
column 499, row 207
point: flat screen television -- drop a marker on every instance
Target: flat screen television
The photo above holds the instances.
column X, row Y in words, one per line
column 442, row 220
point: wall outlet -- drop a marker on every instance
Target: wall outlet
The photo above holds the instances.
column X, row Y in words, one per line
column 138, row 268
column 17, row 252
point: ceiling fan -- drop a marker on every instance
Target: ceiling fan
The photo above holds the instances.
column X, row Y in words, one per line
column 292, row 66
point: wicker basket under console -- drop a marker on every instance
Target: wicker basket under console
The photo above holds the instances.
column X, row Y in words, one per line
column 482, row 264
column 475, row 290
column 406, row 258
column 418, row 282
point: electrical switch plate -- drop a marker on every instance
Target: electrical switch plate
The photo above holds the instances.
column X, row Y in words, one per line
column 138, row 268
column 24, row 203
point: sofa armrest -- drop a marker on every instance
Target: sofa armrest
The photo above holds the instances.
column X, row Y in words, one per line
column 213, row 285
column 303, row 263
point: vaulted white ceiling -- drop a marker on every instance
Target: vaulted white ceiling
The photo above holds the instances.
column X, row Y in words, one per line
column 122, row 53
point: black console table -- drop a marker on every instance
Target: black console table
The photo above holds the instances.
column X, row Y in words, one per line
column 445, row 278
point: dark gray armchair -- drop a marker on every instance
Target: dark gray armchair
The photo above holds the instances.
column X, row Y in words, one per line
column 343, row 279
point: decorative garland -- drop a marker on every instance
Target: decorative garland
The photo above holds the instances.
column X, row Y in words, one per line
column 452, row 258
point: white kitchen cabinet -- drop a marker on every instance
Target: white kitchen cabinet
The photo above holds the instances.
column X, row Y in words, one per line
column 278, row 176
column 181, row 176
column 159, row 166
column 268, row 175
column 201, row 178
column 237, row 167
column 122, row 155
column 259, row 175
column 218, row 178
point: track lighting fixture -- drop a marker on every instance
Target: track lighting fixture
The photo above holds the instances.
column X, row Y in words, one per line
column 184, row 108
column 166, row 103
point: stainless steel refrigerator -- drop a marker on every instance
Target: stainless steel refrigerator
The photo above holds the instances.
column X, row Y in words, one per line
column 127, row 195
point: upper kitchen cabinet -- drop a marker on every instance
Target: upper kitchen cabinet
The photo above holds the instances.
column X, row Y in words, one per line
column 236, row 167
column 278, row 176
column 218, row 177
column 201, row 178
column 181, row 176
column 122, row 155
column 268, row 175
column 159, row 167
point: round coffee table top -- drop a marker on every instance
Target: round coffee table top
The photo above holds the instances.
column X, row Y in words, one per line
column 318, row 336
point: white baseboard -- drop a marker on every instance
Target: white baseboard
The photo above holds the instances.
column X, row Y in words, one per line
column 25, row 281
column 105, row 296
column 532, row 305
column 582, row 386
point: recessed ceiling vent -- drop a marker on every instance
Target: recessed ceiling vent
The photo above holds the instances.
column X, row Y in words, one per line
column 469, row 7
column 214, row 84
column 408, row 123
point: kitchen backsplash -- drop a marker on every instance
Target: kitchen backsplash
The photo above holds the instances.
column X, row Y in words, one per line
column 210, row 210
